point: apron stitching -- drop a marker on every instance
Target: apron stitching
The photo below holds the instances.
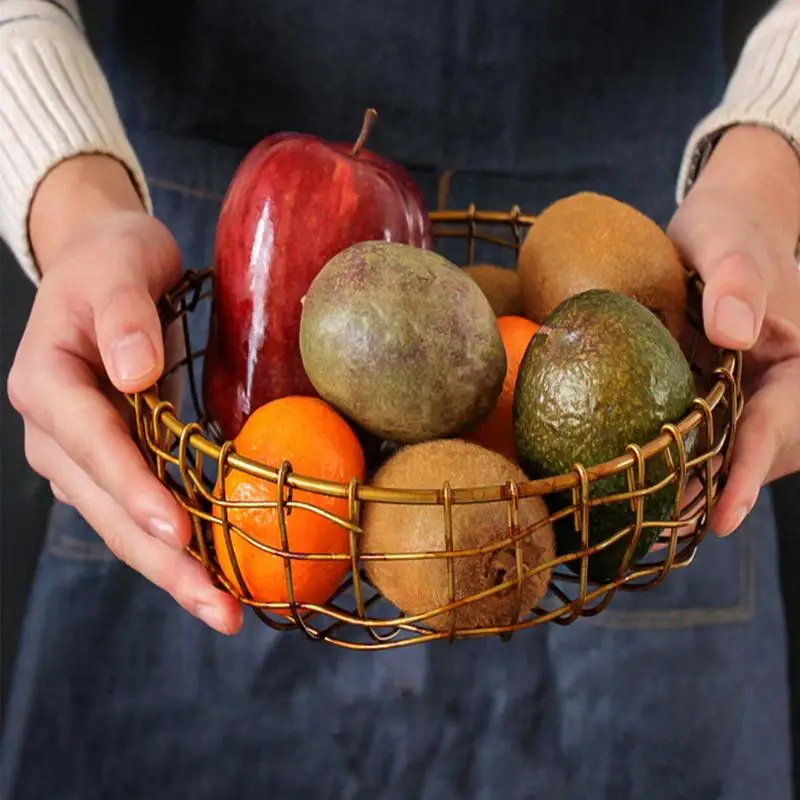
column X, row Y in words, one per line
column 742, row 611
column 69, row 547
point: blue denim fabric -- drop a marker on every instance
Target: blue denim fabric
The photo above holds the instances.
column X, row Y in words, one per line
column 119, row 694
column 677, row 693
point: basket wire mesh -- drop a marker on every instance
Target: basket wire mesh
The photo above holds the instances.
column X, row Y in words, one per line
column 186, row 456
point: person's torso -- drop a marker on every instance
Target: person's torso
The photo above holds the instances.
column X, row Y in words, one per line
column 538, row 92
column 527, row 101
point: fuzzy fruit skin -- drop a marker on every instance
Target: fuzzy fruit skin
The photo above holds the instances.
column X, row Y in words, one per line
column 501, row 287
column 419, row 585
column 401, row 341
column 294, row 202
column 601, row 373
column 592, row 241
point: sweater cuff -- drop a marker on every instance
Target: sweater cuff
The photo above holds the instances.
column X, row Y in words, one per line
column 55, row 104
column 763, row 90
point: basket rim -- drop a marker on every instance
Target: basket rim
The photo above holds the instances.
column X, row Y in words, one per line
column 190, row 434
column 473, row 214
column 164, row 412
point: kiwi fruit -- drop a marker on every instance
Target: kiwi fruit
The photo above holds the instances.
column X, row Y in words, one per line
column 592, row 241
column 501, row 287
column 417, row 586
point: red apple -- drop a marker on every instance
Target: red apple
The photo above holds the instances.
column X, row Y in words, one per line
column 294, row 202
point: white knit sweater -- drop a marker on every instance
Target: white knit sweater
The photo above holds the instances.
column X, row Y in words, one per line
column 55, row 103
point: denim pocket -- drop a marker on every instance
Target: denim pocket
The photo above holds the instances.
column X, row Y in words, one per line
column 70, row 538
column 718, row 587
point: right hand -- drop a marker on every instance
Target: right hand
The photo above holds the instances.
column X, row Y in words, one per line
column 93, row 333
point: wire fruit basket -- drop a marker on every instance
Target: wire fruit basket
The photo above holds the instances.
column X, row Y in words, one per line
column 187, row 457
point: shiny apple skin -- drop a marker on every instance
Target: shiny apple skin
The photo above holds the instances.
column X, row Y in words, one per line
column 293, row 203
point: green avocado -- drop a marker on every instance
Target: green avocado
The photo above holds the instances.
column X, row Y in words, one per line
column 601, row 373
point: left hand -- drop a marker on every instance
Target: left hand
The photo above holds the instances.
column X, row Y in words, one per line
column 739, row 227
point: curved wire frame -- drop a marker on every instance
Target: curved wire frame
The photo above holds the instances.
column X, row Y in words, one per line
column 694, row 451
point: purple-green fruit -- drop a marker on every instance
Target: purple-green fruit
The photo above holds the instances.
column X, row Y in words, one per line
column 401, row 341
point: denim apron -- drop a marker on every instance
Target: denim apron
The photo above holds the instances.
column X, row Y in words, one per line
column 677, row 693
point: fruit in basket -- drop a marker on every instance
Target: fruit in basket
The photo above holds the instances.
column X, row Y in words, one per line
column 419, row 585
column 591, row 241
column 497, row 431
column 295, row 201
column 501, row 287
column 401, row 341
column 318, row 443
column 601, row 373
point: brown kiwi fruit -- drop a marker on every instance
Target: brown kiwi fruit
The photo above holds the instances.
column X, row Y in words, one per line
column 592, row 241
column 417, row 586
column 501, row 287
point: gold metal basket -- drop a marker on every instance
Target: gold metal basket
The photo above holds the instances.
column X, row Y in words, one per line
column 185, row 455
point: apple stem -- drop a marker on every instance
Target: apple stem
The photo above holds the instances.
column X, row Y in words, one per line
column 370, row 115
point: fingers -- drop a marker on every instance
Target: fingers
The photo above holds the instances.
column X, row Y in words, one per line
column 61, row 398
column 85, row 318
column 95, row 313
column 691, row 503
column 104, row 289
column 748, row 470
column 57, row 493
column 739, row 246
column 765, row 448
column 172, row 570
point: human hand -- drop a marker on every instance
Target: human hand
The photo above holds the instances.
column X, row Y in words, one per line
column 739, row 226
column 93, row 333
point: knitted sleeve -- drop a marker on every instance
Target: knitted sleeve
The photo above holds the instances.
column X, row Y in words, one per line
column 54, row 103
column 763, row 90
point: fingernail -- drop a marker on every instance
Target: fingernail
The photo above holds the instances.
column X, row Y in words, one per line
column 163, row 530
column 738, row 518
column 212, row 617
column 133, row 357
column 735, row 319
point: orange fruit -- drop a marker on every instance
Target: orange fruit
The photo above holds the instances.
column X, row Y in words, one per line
column 318, row 443
column 496, row 431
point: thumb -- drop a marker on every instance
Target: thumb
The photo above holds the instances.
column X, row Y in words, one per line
column 734, row 299
column 126, row 322
column 730, row 255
